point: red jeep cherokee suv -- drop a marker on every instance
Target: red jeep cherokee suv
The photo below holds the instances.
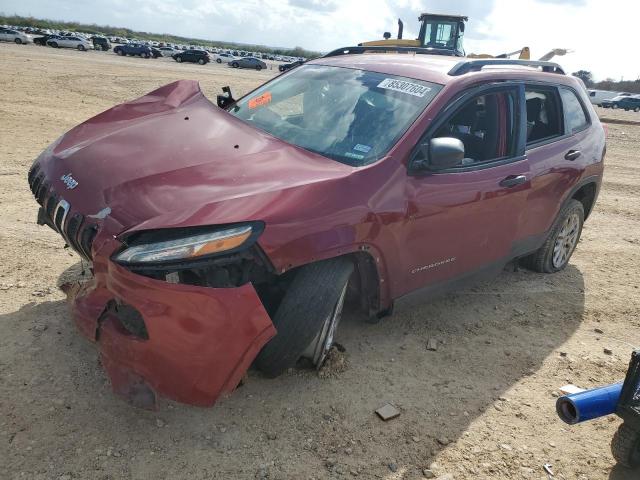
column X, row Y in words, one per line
column 225, row 235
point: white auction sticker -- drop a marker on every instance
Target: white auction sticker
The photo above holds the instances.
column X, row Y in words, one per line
column 414, row 89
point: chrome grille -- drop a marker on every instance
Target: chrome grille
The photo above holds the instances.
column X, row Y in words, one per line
column 57, row 212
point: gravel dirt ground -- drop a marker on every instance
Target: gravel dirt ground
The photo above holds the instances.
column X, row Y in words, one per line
column 482, row 406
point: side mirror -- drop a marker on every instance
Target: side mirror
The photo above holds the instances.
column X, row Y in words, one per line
column 442, row 153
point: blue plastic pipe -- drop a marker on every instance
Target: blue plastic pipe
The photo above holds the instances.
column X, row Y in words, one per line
column 590, row 404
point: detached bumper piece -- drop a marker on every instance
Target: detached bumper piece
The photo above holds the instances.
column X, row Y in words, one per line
column 59, row 215
column 188, row 343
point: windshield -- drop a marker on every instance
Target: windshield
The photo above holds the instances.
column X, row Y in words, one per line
column 353, row 116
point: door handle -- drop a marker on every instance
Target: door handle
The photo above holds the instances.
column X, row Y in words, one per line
column 513, row 180
column 572, row 155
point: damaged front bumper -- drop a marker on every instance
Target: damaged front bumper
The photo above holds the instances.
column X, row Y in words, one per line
column 195, row 344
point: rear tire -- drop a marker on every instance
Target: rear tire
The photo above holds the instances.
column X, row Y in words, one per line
column 625, row 446
column 637, row 109
column 218, row 60
column 307, row 316
column 556, row 251
column 145, row 55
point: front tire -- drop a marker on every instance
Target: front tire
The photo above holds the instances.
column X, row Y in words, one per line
column 625, row 446
column 308, row 316
column 18, row 41
column 218, row 60
column 54, row 45
column 258, row 67
column 201, row 61
column 179, row 59
column 81, row 48
column 235, row 65
column 554, row 255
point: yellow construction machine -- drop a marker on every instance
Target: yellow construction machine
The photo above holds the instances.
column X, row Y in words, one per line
column 441, row 35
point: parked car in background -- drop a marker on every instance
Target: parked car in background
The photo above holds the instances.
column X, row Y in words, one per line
column 100, row 43
column 288, row 66
column 627, row 103
column 224, row 58
column 613, row 102
column 248, row 62
column 42, row 41
column 167, row 51
column 133, row 49
column 10, row 35
column 78, row 43
column 596, row 97
column 193, row 56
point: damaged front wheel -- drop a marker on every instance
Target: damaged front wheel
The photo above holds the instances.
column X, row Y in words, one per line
column 307, row 318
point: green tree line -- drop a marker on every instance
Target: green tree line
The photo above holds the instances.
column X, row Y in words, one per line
column 158, row 37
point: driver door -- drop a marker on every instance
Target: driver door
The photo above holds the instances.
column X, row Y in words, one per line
column 466, row 218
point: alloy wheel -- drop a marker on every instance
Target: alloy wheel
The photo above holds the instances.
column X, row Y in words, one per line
column 566, row 240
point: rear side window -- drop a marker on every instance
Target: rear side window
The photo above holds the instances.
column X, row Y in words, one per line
column 544, row 119
column 574, row 114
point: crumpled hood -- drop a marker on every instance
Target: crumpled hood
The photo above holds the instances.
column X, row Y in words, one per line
column 170, row 153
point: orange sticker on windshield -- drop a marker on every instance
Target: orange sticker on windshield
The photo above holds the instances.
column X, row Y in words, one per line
column 260, row 100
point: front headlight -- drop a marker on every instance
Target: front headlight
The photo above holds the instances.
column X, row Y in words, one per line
column 191, row 247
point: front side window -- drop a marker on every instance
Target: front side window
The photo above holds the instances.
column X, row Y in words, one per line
column 574, row 114
column 486, row 126
column 352, row 116
column 544, row 118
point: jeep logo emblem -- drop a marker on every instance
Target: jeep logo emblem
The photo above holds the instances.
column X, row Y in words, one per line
column 69, row 181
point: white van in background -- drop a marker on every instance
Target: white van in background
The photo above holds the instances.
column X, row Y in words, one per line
column 597, row 96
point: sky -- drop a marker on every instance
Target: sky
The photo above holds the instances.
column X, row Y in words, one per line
column 601, row 39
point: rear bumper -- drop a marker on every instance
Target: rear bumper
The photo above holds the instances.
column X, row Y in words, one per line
column 200, row 340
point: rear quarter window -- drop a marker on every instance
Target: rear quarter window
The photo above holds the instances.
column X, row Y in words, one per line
column 575, row 115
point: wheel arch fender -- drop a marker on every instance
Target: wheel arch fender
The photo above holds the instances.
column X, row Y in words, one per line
column 369, row 281
column 586, row 192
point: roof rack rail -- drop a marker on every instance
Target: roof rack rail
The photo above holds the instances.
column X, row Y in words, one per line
column 392, row 48
column 467, row 66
